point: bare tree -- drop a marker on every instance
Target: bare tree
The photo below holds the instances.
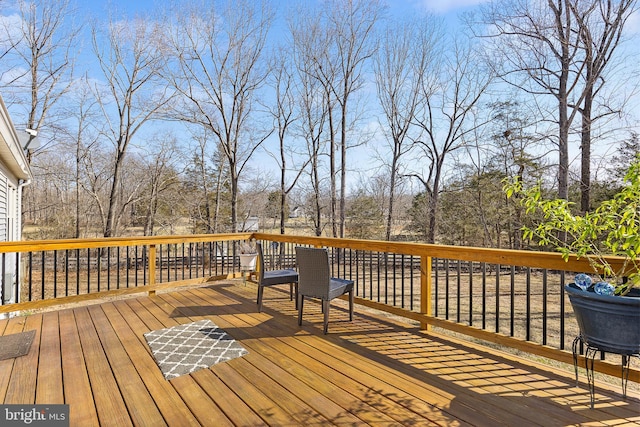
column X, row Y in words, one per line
column 343, row 42
column 403, row 61
column 82, row 134
column 284, row 115
column 600, row 25
column 506, row 147
column 447, row 115
column 564, row 49
column 535, row 46
column 204, row 181
column 131, row 61
column 353, row 22
column 317, row 106
column 314, row 111
column 161, row 175
column 96, row 176
column 218, row 69
column 40, row 61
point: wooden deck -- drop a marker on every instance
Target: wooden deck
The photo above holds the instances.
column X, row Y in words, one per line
column 367, row 372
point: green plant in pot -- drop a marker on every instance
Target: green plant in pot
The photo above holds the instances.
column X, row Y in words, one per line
column 609, row 238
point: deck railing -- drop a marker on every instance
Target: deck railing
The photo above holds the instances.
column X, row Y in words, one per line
column 511, row 298
column 57, row 271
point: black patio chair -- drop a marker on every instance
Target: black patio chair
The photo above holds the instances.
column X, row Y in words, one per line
column 315, row 281
column 274, row 277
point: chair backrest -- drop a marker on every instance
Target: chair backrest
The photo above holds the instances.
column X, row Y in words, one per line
column 313, row 272
column 261, row 265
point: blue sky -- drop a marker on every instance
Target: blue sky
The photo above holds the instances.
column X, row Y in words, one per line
column 131, row 7
column 447, row 9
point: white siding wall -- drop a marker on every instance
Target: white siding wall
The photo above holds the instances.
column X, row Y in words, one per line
column 9, row 220
column 4, row 208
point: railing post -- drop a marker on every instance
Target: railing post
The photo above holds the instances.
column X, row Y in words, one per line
column 152, row 267
column 425, row 289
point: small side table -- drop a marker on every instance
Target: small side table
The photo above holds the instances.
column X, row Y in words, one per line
column 589, row 357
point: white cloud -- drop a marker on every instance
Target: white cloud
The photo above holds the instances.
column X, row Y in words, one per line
column 10, row 30
column 632, row 26
column 445, row 6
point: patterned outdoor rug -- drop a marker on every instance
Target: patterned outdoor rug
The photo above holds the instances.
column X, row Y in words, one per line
column 16, row 345
column 187, row 348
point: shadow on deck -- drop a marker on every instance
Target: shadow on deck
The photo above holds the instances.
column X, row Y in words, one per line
column 369, row 371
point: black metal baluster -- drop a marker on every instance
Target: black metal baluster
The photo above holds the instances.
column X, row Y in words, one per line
column 411, row 265
column 446, row 288
column 356, row 279
column 458, row 289
column 182, row 261
column 78, row 271
column 371, row 275
column 43, row 271
column 127, row 253
column 118, row 267
column 435, row 285
column 2, row 282
column 402, row 303
column 544, row 307
column 144, row 266
column 562, row 310
column 528, row 337
column 386, row 278
column 98, row 265
column 55, row 274
column 394, row 279
column 484, row 295
column 88, row 270
column 224, row 256
column 135, row 272
column 66, row 272
column 378, row 281
column 17, row 283
column 498, row 297
column 109, row 268
column 30, row 276
column 513, row 300
column 470, row 264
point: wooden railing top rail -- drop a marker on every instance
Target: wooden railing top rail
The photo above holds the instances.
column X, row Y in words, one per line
column 522, row 258
column 104, row 242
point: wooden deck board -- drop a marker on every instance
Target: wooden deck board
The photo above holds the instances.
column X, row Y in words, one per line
column 369, row 371
column 110, row 405
column 76, row 384
column 141, row 406
column 10, row 326
column 334, row 381
column 234, row 408
column 130, row 331
column 22, row 385
column 277, row 366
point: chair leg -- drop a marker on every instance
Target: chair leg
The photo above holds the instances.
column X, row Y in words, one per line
column 351, row 305
column 290, row 291
column 260, row 292
column 300, row 301
column 325, row 309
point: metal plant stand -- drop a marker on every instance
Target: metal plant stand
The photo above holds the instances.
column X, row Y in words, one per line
column 589, row 357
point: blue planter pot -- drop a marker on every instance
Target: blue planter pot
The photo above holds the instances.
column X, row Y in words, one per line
column 610, row 323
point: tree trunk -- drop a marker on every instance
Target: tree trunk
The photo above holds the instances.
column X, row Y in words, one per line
column 114, row 197
column 585, row 145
